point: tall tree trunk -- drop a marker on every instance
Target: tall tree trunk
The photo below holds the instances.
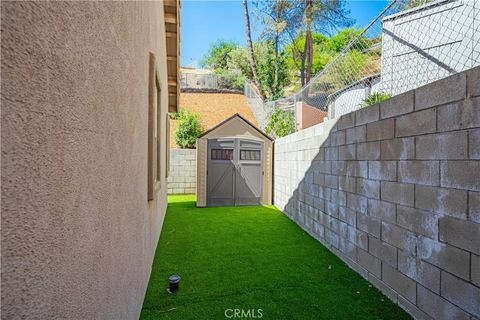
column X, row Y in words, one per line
column 308, row 40
column 251, row 56
column 302, row 64
column 275, row 76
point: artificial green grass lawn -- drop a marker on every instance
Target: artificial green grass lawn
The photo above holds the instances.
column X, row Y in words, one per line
column 252, row 258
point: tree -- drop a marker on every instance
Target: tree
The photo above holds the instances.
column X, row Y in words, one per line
column 250, row 50
column 278, row 21
column 307, row 57
column 188, row 129
column 342, row 38
column 218, row 55
column 272, row 70
column 281, row 123
column 323, row 16
column 230, row 62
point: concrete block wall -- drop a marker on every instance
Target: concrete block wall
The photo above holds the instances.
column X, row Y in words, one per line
column 182, row 178
column 394, row 190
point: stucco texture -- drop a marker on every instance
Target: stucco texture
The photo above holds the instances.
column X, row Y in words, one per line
column 78, row 234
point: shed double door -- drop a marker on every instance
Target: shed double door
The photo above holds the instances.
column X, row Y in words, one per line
column 234, row 172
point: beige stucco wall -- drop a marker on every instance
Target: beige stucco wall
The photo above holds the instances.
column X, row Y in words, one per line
column 235, row 127
column 78, row 234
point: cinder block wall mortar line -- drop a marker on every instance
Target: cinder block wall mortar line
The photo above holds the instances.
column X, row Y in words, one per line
column 470, row 269
column 469, row 132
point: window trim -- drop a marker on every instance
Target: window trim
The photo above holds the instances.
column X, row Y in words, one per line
column 154, row 133
column 250, row 150
column 167, row 147
column 228, row 151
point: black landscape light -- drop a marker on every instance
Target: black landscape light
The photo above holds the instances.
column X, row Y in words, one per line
column 173, row 282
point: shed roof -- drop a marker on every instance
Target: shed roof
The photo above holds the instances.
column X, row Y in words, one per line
column 224, row 122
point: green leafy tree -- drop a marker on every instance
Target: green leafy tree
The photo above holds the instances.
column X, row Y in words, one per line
column 281, row 123
column 341, row 39
column 279, row 19
column 272, row 70
column 239, row 61
column 230, row 62
column 231, row 79
column 320, row 16
column 188, row 129
column 325, row 49
column 321, row 56
column 218, row 55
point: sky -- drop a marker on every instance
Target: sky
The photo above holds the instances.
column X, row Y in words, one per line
column 204, row 22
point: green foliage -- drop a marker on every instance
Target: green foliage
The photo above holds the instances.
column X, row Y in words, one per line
column 350, row 67
column 188, row 129
column 230, row 79
column 218, row 55
column 276, row 73
column 281, row 123
column 339, row 41
column 375, row 97
column 325, row 49
column 320, row 56
column 174, row 115
column 230, row 62
column 239, row 62
column 265, row 57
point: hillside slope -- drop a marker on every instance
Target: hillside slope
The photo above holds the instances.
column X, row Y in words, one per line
column 212, row 108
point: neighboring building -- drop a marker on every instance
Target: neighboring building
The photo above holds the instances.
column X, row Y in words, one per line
column 86, row 87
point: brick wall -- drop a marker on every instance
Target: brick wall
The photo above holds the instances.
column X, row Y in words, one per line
column 394, row 191
column 182, row 178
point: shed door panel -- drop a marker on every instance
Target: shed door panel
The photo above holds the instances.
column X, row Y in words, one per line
column 235, row 172
column 249, row 174
column 221, row 173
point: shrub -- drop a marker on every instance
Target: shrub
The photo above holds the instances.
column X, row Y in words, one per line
column 281, row 123
column 375, row 97
column 174, row 115
column 188, row 129
column 230, row 79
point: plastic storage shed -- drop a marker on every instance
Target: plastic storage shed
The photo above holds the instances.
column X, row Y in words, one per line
column 234, row 165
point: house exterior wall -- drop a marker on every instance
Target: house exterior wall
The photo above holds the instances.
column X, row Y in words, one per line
column 394, row 190
column 182, row 178
column 235, row 127
column 78, row 234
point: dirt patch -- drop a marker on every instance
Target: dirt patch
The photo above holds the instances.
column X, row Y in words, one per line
column 212, row 108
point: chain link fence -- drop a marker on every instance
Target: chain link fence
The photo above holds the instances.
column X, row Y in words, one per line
column 401, row 49
column 256, row 104
column 195, row 80
column 202, row 79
